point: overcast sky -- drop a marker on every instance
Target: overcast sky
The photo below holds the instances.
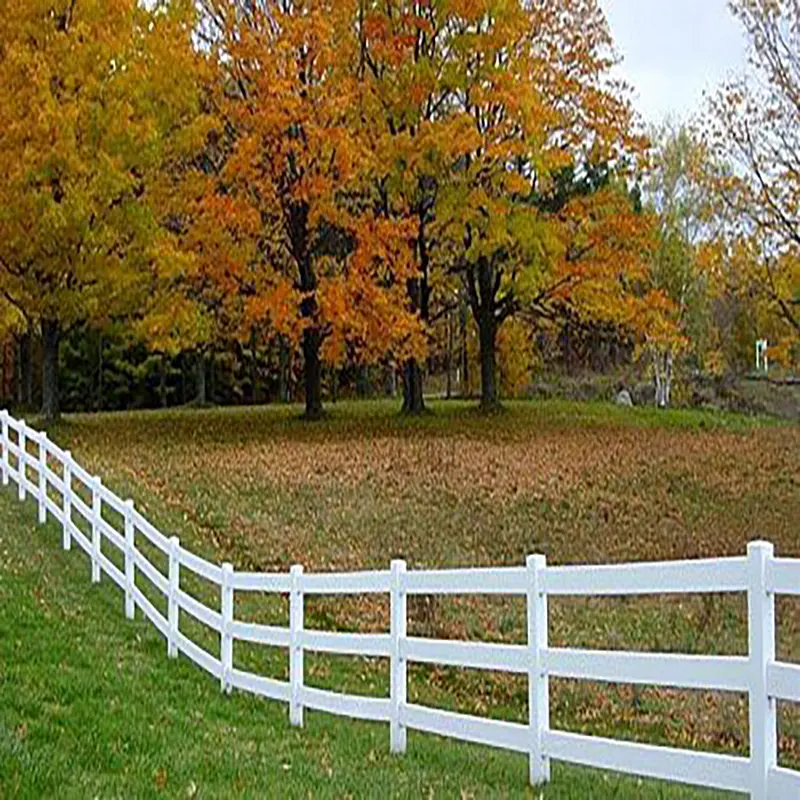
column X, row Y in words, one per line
column 673, row 50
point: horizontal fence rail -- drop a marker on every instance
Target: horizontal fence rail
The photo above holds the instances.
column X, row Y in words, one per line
column 41, row 469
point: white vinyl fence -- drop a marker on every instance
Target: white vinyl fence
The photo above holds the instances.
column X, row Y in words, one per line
column 760, row 676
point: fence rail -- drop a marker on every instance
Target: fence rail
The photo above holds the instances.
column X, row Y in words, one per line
column 760, row 575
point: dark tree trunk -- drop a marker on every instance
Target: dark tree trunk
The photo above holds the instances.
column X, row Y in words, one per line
column 419, row 294
column 25, row 391
column 450, row 344
column 488, row 342
column 465, row 388
column 212, row 380
column 300, row 242
column 482, row 283
column 183, row 380
column 51, row 337
column 283, row 370
column 362, row 383
column 569, row 350
column 100, row 399
column 18, row 392
column 254, row 393
column 313, row 373
column 413, row 400
column 201, row 391
column 162, row 381
column 413, row 381
column 9, row 367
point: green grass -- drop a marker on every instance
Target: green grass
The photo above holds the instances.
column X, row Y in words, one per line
column 441, row 418
column 90, row 706
column 261, row 488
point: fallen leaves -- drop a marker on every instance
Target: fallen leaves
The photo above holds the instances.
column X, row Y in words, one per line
column 357, row 492
column 160, row 778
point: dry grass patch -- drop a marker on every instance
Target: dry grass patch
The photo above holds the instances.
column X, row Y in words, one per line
column 581, row 484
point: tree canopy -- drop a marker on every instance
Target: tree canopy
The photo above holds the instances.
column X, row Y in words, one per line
column 335, row 178
column 94, row 97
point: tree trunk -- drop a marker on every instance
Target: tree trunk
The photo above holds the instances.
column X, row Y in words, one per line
column 283, row 370
column 9, row 370
column 568, row 346
column 100, row 399
column 667, row 379
column 419, row 295
column 482, row 283
column 201, row 392
column 254, row 393
column 300, row 241
column 663, row 378
column 465, row 387
column 659, row 386
column 25, row 392
column 313, row 373
column 413, row 400
column 488, row 346
column 362, row 382
column 450, row 344
column 18, row 371
column 51, row 336
column 162, row 381
column 183, row 379
column 212, row 380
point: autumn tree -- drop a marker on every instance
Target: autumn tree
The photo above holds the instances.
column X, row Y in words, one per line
column 530, row 84
column 405, row 63
column 195, row 300
column 329, row 271
column 756, row 135
column 92, row 97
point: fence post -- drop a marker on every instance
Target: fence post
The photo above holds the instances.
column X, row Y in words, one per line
column 130, row 564
column 226, row 641
column 398, row 684
column 67, row 505
column 538, row 683
column 97, row 510
column 23, row 459
column 172, row 600
column 296, row 604
column 5, row 447
column 43, row 478
column 761, row 627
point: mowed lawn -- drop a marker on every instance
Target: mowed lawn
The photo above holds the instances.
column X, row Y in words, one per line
column 90, row 706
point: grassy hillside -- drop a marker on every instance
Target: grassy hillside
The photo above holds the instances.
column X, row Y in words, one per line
column 90, row 706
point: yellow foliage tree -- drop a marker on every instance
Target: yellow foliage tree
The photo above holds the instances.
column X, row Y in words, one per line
column 92, row 100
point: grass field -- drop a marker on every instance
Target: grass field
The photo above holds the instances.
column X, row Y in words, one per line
column 89, row 705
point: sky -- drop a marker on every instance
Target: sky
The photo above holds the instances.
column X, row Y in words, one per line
column 673, row 50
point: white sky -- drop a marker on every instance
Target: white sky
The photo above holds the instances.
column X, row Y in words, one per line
column 673, row 50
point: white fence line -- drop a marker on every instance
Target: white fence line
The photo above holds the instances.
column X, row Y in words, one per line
column 760, row 575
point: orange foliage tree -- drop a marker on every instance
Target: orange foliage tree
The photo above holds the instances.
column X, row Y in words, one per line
column 405, row 66
column 391, row 150
column 327, row 269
